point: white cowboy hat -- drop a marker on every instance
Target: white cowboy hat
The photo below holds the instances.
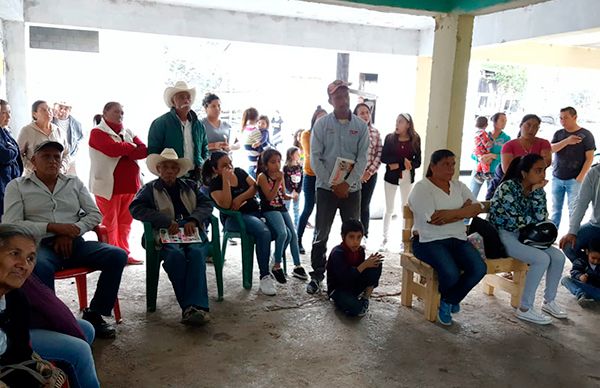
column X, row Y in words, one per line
column 180, row 86
column 153, row 160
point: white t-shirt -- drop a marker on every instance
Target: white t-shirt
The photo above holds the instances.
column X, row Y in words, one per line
column 188, row 140
column 2, row 333
column 426, row 198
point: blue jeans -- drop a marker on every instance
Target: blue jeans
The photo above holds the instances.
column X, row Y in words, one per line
column 327, row 206
column 281, row 226
column 347, row 299
column 366, row 193
column 108, row 259
column 186, row 266
column 309, row 189
column 550, row 261
column 586, row 233
column 559, row 189
column 73, row 351
column 578, row 288
column 296, row 208
column 450, row 257
column 262, row 237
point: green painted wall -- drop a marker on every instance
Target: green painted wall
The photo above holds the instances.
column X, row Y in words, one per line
column 444, row 6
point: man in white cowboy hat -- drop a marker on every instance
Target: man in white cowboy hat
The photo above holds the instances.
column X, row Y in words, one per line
column 70, row 127
column 171, row 202
column 180, row 128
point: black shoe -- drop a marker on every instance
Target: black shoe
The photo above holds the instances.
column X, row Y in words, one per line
column 103, row 329
column 299, row 273
column 302, row 250
column 193, row 316
column 232, row 242
column 365, row 307
column 313, row 287
column 279, row 275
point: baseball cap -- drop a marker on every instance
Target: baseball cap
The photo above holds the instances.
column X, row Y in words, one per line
column 335, row 85
column 49, row 144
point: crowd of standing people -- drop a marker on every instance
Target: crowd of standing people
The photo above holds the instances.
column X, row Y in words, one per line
column 333, row 166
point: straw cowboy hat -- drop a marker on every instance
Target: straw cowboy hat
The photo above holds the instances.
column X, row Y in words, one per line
column 180, row 86
column 153, row 160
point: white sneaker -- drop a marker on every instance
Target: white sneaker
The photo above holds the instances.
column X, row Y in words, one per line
column 267, row 286
column 533, row 316
column 554, row 309
column 383, row 247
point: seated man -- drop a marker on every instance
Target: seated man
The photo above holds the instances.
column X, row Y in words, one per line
column 578, row 238
column 59, row 210
column 170, row 202
column 350, row 278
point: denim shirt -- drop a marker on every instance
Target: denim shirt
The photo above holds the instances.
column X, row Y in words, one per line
column 511, row 209
column 331, row 138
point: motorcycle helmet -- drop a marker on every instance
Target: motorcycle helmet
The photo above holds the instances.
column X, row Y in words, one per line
column 541, row 235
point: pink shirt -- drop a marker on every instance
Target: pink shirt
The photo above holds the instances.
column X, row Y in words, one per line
column 515, row 148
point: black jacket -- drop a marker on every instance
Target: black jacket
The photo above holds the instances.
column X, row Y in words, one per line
column 389, row 155
column 582, row 266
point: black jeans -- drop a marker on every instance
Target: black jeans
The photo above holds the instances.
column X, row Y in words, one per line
column 347, row 300
column 308, row 188
column 366, row 193
column 327, row 205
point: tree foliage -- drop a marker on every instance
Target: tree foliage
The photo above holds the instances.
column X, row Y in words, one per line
column 509, row 78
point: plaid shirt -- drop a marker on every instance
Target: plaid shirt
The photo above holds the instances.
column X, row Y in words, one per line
column 374, row 153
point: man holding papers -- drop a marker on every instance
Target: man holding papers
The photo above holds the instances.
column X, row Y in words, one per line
column 337, row 139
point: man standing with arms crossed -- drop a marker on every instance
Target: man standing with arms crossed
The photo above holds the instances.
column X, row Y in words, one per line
column 338, row 134
column 574, row 148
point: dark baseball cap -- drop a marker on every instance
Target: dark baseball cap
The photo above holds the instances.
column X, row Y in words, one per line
column 49, row 144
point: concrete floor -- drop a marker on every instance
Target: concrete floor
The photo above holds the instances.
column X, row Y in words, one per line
column 297, row 340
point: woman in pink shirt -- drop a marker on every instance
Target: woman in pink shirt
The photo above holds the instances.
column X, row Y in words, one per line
column 526, row 143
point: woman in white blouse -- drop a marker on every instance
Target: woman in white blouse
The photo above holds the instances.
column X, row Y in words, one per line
column 440, row 204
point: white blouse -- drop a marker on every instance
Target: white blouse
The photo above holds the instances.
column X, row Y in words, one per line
column 426, row 198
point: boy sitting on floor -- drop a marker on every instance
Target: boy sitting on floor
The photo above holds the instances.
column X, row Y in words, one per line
column 170, row 202
column 584, row 282
column 350, row 278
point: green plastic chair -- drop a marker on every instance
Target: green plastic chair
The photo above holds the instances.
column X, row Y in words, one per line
column 247, row 246
column 153, row 260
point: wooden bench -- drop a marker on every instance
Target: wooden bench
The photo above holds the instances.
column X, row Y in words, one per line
column 425, row 284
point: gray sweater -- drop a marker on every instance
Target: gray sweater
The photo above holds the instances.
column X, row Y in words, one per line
column 589, row 192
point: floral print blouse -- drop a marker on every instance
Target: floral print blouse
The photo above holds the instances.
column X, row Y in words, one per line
column 511, row 209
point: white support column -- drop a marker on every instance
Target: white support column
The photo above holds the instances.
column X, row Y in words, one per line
column 15, row 38
column 448, row 88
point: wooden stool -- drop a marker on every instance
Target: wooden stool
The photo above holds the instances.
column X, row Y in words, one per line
column 425, row 285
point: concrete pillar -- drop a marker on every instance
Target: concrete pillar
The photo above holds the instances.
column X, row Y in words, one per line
column 343, row 63
column 448, row 88
column 15, row 38
column 423, row 84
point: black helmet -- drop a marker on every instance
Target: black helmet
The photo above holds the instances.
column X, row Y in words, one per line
column 541, row 235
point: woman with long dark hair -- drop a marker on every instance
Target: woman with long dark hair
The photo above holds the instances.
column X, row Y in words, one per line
column 520, row 200
column 401, row 155
column 369, row 178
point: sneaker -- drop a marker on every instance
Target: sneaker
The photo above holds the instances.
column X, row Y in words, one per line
column 487, row 176
column 444, row 314
column 313, row 287
column 554, row 309
column 478, row 177
column 383, row 247
column 102, row 328
column 533, row 316
column 309, row 226
column 299, row 273
column 279, row 275
column 455, row 308
column 301, row 249
column 232, row 242
column 585, row 301
column 267, row 286
column 132, row 261
column 193, row 316
column 365, row 307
